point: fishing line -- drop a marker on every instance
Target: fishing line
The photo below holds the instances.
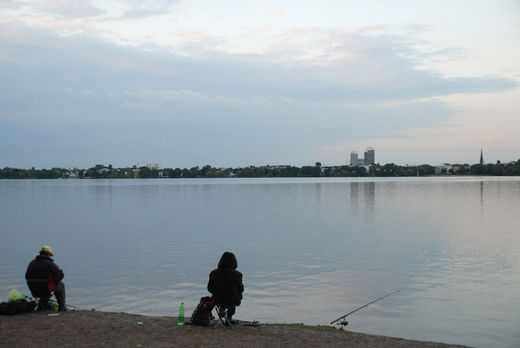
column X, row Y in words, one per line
column 344, row 322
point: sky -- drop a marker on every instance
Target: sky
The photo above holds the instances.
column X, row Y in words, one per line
column 234, row 83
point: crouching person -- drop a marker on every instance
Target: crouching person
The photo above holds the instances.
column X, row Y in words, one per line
column 225, row 284
column 43, row 277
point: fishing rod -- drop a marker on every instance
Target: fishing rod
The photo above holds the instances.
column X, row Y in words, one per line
column 344, row 322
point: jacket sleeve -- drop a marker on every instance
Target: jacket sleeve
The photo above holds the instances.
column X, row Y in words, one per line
column 210, row 282
column 240, row 284
column 56, row 271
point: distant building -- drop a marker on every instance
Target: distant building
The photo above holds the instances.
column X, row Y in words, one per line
column 277, row 166
column 72, row 174
column 481, row 157
column 370, row 156
column 448, row 168
column 458, row 167
column 442, row 169
column 354, row 158
column 154, row 166
column 103, row 170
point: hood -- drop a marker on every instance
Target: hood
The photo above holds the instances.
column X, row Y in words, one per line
column 228, row 260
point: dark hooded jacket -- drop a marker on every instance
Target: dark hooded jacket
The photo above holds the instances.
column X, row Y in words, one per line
column 42, row 275
column 225, row 282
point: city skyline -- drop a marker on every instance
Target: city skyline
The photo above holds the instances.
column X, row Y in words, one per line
column 354, row 160
column 235, row 84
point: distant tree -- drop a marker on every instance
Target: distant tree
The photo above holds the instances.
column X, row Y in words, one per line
column 512, row 169
column 477, row 169
column 498, row 170
column 204, row 170
column 310, row 171
column 144, row 172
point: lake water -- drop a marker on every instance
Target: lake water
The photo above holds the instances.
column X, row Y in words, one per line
column 310, row 250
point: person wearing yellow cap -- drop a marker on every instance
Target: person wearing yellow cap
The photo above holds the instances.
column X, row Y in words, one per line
column 43, row 277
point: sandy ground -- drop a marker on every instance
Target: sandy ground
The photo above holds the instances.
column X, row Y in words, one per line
column 102, row 329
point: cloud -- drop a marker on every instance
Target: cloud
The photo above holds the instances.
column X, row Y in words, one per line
column 139, row 8
column 64, row 8
column 258, row 29
column 357, row 70
column 210, row 106
column 275, row 12
column 373, row 27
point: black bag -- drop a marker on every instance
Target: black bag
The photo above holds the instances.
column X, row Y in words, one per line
column 18, row 306
column 201, row 316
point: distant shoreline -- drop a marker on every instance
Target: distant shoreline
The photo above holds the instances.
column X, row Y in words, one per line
column 284, row 177
column 101, row 171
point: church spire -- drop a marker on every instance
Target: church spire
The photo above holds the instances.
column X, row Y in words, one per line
column 481, row 157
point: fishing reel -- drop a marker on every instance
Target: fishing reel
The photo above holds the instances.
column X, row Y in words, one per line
column 343, row 323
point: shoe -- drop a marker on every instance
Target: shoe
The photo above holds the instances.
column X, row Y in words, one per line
column 44, row 306
column 62, row 309
column 230, row 320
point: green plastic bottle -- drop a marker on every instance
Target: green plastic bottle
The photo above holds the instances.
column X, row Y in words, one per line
column 181, row 315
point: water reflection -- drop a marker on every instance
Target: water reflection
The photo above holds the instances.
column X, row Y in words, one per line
column 354, row 196
column 146, row 245
column 370, row 206
column 363, row 203
column 482, row 194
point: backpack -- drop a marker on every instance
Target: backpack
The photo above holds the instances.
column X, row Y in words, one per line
column 17, row 306
column 201, row 316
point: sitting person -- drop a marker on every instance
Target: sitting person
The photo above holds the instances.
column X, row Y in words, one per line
column 44, row 276
column 225, row 284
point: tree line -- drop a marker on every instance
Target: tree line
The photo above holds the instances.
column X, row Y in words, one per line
column 101, row 171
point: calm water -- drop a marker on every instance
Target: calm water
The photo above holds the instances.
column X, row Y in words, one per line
column 310, row 249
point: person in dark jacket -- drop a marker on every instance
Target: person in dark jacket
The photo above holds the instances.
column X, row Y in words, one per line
column 44, row 276
column 225, row 284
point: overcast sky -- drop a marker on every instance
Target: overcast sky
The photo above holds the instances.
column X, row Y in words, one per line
column 237, row 83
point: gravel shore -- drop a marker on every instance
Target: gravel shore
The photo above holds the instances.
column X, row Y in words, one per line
column 102, row 329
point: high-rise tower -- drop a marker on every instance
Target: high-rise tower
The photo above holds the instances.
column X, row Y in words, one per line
column 481, row 157
column 354, row 159
column 370, row 156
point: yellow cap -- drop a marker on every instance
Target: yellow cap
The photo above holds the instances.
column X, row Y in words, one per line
column 47, row 249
